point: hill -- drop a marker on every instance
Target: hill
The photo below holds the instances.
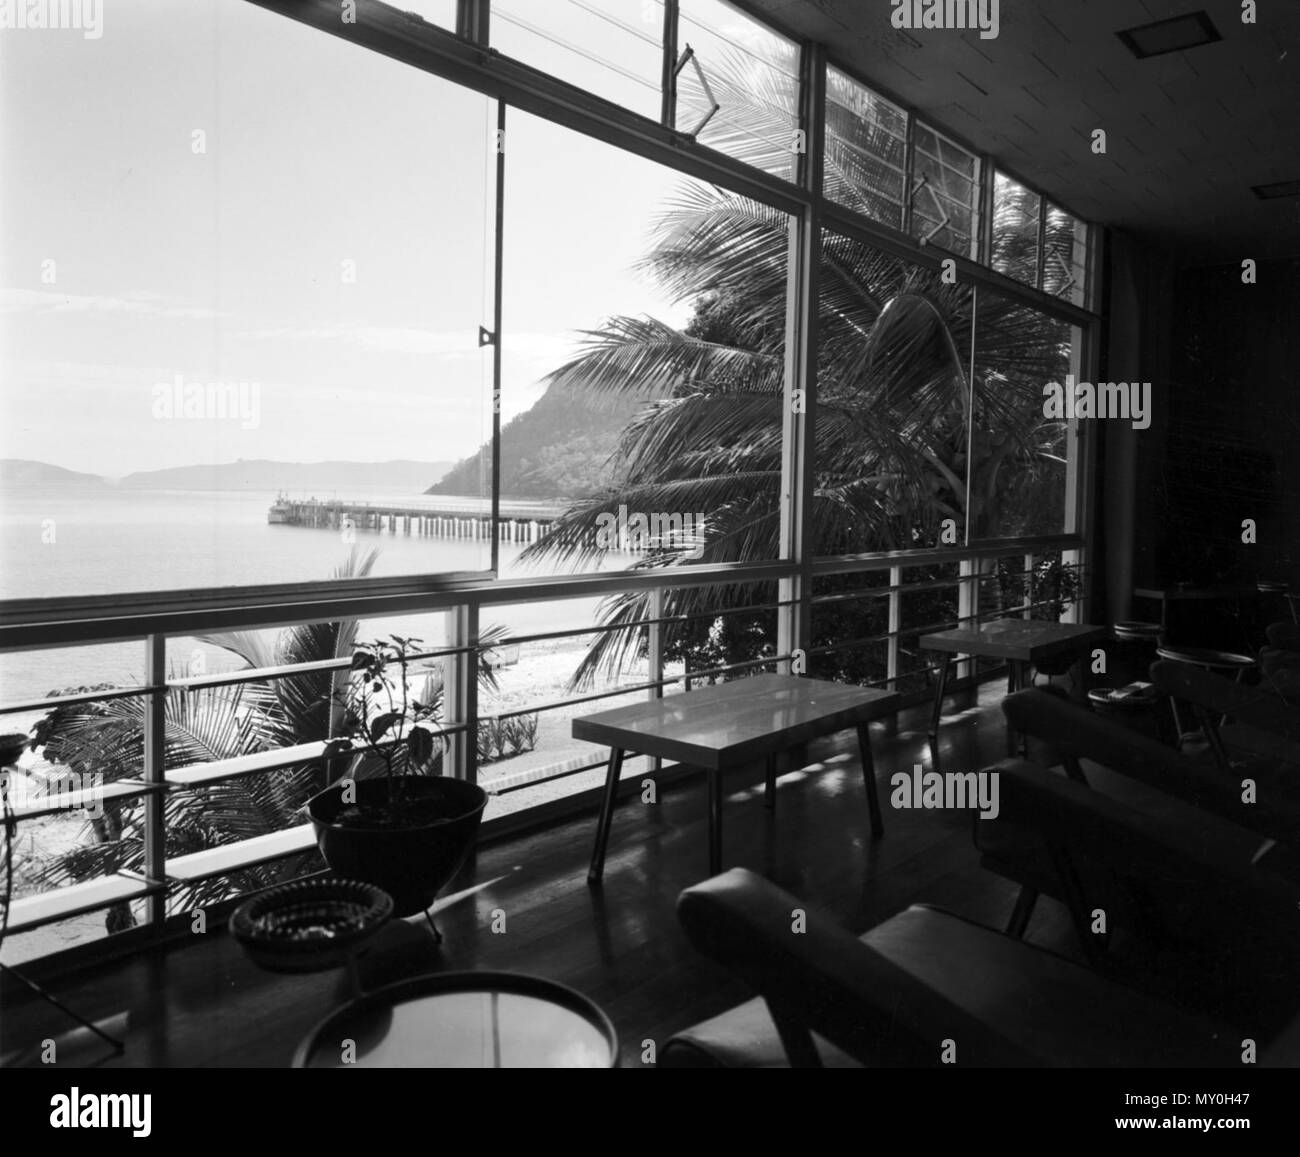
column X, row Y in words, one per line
column 25, row 472
column 347, row 479
column 560, row 448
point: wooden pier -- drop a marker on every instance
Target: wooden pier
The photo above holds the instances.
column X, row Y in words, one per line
column 519, row 522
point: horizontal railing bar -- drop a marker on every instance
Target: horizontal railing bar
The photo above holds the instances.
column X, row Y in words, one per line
column 50, row 702
column 35, row 624
column 902, row 588
column 228, row 858
column 291, row 670
column 520, row 786
column 118, row 789
column 882, row 560
column 197, row 774
column 78, row 899
column 599, row 628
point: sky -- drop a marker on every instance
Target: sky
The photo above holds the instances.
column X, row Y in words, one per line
column 327, row 239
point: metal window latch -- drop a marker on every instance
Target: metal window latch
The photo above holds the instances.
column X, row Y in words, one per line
column 688, row 57
column 486, row 337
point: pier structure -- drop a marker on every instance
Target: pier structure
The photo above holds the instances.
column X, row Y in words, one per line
column 518, row 523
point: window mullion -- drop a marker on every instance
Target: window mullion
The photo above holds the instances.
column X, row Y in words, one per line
column 668, row 85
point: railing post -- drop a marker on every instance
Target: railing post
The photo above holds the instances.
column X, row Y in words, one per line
column 969, row 571
column 655, row 657
column 1029, row 587
column 462, row 690
column 155, row 759
column 794, row 622
column 895, row 625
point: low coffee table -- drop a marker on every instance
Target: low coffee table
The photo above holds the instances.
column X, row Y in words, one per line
column 732, row 725
column 1022, row 642
column 495, row 1020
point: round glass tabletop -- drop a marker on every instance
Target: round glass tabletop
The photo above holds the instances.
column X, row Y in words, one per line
column 464, row 1020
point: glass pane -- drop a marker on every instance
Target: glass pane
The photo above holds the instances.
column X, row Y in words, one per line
column 613, row 48
column 751, row 74
column 642, row 359
column 945, row 194
column 1015, row 229
column 866, row 150
column 850, row 619
column 891, row 437
column 1065, row 267
column 265, row 304
column 439, row 12
column 526, row 751
column 1020, row 456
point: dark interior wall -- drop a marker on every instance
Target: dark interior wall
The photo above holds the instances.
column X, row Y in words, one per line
column 1134, row 348
column 1228, row 445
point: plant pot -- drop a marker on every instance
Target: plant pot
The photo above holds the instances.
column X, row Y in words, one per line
column 412, row 863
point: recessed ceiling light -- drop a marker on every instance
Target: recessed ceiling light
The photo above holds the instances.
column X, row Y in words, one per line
column 1172, row 35
column 1276, row 189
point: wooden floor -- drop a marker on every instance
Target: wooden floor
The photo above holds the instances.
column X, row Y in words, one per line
column 203, row 1003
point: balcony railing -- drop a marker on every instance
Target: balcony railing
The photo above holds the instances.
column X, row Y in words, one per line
column 976, row 590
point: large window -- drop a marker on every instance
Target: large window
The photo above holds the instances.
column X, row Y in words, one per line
column 643, row 353
column 1019, row 454
column 278, row 293
column 890, row 444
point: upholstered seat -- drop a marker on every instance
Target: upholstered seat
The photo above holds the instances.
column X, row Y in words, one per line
column 998, row 1000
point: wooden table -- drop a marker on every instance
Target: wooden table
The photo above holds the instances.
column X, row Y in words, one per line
column 1185, row 592
column 732, row 725
column 1022, row 642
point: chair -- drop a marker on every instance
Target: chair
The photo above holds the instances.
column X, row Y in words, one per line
column 1229, row 662
column 1255, row 720
column 920, row 979
column 894, row 996
column 1142, row 774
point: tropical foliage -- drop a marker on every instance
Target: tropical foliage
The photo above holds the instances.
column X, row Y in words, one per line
column 910, row 429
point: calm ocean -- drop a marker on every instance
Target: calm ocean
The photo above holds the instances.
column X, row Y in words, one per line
column 96, row 540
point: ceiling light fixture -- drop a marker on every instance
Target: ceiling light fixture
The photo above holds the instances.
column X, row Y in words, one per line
column 1173, row 35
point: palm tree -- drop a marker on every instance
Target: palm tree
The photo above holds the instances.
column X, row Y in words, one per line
column 896, row 388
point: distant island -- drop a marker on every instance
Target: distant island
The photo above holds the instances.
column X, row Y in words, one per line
column 563, row 447
column 348, row 479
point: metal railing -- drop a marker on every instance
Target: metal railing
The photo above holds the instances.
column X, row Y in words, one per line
column 461, row 603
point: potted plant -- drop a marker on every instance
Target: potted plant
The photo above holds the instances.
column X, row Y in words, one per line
column 1055, row 586
column 391, row 819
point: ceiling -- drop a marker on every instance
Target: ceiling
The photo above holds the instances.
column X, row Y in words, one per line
column 1188, row 133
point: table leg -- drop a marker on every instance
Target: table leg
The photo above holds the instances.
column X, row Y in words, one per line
column 1015, row 682
column 715, row 821
column 597, row 869
column 937, row 713
column 769, row 786
column 869, row 779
